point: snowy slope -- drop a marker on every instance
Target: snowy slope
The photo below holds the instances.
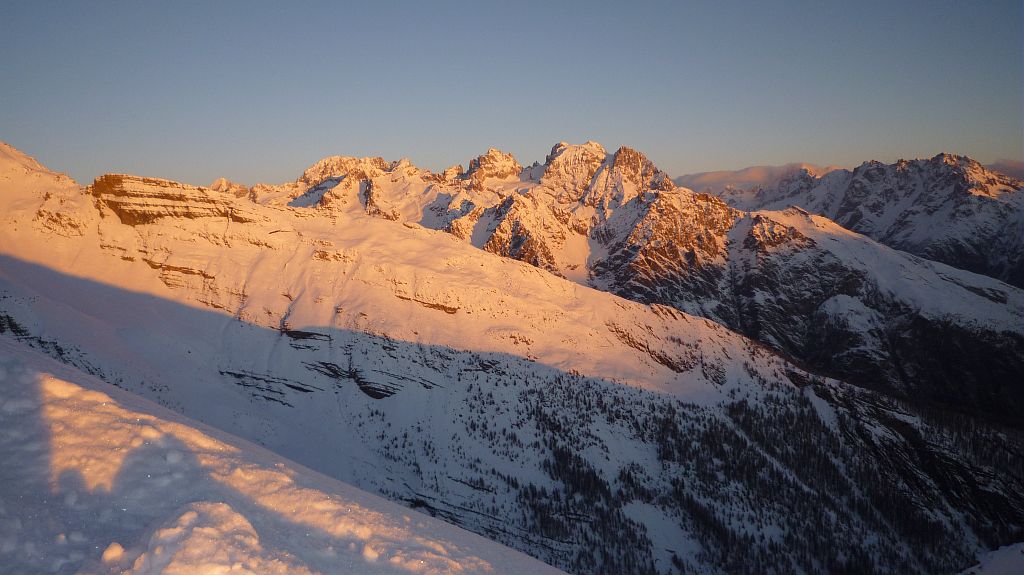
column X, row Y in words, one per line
column 97, row 480
column 1008, row 560
column 595, row 433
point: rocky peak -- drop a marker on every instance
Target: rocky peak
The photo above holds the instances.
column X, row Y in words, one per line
column 452, row 173
column 943, row 161
column 344, row 166
column 628, row 159
column 948, row 208
column 227, row 186
column 565, row 149
column 564, row 153
column 940, row 163
column 621, row 177
column 405, row 168
column 570, row 168
column 945, row 173
column 952, row 159
column 493, row 164
column 639, row 170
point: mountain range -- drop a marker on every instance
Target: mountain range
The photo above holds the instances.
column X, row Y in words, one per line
column 838, row 302
column 948, row 208
column 578, row 358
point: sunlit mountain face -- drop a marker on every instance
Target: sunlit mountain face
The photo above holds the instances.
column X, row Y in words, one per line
column 806, row 370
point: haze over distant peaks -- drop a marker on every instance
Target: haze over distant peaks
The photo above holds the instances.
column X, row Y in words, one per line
column 716, row 182
column 1014, row 168
column 745, row 178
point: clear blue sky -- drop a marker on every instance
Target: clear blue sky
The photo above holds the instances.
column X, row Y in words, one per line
column 256, row 92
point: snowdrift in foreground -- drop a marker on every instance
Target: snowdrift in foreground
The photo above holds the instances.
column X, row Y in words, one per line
column 97, row 480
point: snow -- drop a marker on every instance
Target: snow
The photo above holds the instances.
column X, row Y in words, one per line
column 947, row 208
column 857, row 316
column 667, row 538
column 221, row 321
column 237, row 272
column 932, row 289
column 825, row 411
column 23, row 181
column 1007, row 560
column 192, row 312
column 97, row 480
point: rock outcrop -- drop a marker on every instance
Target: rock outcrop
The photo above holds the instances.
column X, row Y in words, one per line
column 138, row 200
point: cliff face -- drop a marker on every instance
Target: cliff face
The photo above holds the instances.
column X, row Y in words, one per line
column 138, row 200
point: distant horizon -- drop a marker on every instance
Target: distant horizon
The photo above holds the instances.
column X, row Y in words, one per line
column 1014, row 168
column 256, row 92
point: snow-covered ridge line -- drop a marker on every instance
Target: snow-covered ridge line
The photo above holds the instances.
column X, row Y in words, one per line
column 127, row 486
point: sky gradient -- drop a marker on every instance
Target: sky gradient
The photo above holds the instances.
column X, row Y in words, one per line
column 256, row 92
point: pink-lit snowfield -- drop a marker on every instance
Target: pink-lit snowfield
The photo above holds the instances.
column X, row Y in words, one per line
column 96, row 480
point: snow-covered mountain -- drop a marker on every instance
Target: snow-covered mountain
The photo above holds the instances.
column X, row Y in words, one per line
column 98, row 480
column 948, row 208
column 837, row 301
column 325, row 320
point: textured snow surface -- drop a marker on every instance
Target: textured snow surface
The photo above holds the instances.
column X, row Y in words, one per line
column 97, row 480
column 1008, row 560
